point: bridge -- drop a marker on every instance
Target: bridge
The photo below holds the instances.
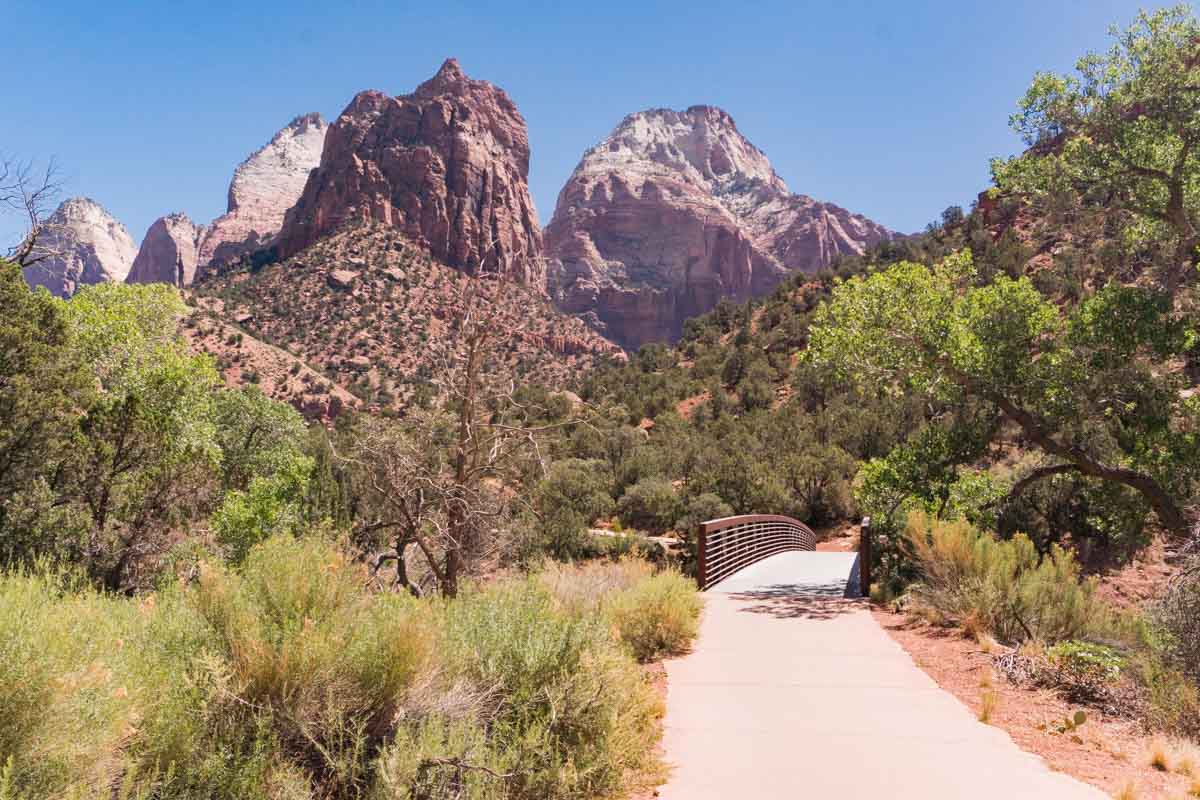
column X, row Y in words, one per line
column 793, row 689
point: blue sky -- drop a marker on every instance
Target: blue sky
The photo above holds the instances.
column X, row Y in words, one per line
column 891, row 109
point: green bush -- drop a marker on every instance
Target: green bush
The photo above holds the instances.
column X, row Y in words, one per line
column 1002, row 586
column 649, row 505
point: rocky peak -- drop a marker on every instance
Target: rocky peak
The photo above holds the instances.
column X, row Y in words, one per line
column 676, row 210
column 263, row 188
column 448, row 165
column 169, row 252
column 85, row 244
column 701, row 145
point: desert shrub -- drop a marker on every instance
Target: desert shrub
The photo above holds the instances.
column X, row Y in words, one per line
column 1001, row 586
column 572, row 716
column 1178, row 614
column 658, row 616
column 650, row 505
column 1086, row 671
column 285, row 679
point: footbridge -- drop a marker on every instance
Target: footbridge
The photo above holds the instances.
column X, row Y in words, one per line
column 794, row 690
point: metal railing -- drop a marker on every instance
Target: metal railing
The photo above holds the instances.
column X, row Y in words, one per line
column 732, row 543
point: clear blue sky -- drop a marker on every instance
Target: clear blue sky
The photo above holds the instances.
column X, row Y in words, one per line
column 889, row 108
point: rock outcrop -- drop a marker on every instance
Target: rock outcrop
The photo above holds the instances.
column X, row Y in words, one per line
column 169, row 252
column 675, row 211
column 85, row 244
column 264, row 187
column 447, row 165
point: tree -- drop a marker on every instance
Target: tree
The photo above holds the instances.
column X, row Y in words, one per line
column 43, row 386
column 1123, row 132
column 649, row 505
column 145, row 452
column 1092, row 389
column 32, row 194
column 442, row 480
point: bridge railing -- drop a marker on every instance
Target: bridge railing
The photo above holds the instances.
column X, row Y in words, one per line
column 732, row 543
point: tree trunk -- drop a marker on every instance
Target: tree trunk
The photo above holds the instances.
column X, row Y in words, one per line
column 1170, row 515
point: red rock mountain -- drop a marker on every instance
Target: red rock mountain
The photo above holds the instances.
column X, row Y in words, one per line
column 265, row 185
column 169, row 252
column 447, row 165
column 676, row 210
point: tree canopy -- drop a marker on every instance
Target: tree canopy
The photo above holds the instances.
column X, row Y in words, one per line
column 1123, row 132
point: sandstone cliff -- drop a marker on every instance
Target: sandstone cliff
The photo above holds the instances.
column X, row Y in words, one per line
column 447, row 165
column 169, row 252
column 675, row 211
column 263, row 188
column 87, row 245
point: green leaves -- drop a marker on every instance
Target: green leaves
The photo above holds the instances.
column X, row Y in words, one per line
column 1124, row 131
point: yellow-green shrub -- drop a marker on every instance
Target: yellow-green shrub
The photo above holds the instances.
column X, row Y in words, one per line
column 656, row 617
column 1005, row 586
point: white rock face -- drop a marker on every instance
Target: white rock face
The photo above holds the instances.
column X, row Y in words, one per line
column 169, row 252
column 89, row 246
column 264, row 187
column 676, row 210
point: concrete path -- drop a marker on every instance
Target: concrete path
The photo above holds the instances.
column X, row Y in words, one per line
column 794, row 692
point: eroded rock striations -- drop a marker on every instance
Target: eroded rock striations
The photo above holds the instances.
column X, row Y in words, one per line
column 86, row 246
column 676, row 210
column 447, row 165
column 263, row 188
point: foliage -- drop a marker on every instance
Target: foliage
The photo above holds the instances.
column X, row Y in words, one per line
column 1002, row 587
column 1178, row 613
column 649, row 505
column 1085, row 669
column 285, row 678
column 1089, row 388
column 41, row 385
column 657, row 617
column 1122, row 131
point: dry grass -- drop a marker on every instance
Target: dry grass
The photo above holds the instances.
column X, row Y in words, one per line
column 989, row 701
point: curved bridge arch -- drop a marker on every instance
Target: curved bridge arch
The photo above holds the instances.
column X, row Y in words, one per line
column 728, row 545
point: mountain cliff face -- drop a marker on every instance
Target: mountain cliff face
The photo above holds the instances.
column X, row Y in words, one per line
column 676, row 210
column 447, row 165
column 169, row 252
column 88, row 246
column 264, row 187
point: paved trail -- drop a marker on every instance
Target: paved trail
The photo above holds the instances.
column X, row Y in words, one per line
column 793, row 692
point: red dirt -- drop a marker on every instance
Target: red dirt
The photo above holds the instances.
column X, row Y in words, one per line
column 1109, row 752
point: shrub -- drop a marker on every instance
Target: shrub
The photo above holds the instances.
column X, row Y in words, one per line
column 649, row 505
column 572, row 716
column 1179, row 616
column 285, row 679
column 1084, row 670
column 1002, row 585
column 657, row 617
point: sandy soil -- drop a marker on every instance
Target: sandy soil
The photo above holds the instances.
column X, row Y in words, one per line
column 1110, row 753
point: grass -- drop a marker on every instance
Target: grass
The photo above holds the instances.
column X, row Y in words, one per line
column 284, row 678
column 989, row 701
column 653, row 614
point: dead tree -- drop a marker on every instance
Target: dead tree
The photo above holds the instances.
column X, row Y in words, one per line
column 32, row 194
column 443, row 480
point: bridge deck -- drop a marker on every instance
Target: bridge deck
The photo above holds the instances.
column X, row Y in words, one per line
column 793, row 692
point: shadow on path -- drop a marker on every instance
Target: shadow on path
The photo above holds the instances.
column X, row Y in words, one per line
column 784, row 603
